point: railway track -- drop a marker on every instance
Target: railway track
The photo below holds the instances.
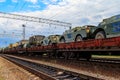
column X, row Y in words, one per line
column 47, row 72
column 105, row 70
column 106, row 60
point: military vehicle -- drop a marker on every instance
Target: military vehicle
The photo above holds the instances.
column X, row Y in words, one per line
column 26, row 45
column 36, row 40
column 50, row 40
column 109, row 27
column 76, row 34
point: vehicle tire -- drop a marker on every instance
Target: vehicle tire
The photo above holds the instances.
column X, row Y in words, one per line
column 78, row 38
column 41, row 44
column 50, row 43
column 100, row 35
column 62, row 40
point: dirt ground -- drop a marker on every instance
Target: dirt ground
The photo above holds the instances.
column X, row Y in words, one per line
column 10, row 71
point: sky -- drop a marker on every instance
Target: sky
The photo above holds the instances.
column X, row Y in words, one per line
column 76, row 12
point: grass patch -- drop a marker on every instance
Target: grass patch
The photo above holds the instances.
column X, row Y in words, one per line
column 105, row 56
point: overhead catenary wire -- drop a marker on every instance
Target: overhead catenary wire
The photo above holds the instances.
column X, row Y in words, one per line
column 7, row 22
column 34, row 19
column 17, row 4
column 23, row 5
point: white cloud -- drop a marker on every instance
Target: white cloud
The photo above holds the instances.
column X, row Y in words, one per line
column 15, row 1
column 33, row 1
column 2, row 0
column 74, row 10
column 54, row 2
column 34, row 6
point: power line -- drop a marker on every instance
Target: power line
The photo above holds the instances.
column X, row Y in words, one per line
column 16, row 5
column 23, row 5
column 58, row 13
column 34, row 19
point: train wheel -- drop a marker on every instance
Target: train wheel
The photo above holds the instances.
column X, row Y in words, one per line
column 77, row 56
column 62, row 40
column 65, row 55
column 78, row 38
column 59, row 55
column 51, row 55
column 100, row 35
column 72, row 55
column 88, row 58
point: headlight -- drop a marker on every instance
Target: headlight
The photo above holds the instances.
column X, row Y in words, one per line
column 87, row 30
column 54, row 38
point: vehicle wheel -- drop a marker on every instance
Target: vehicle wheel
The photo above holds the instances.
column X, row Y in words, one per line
column 50, row 43
column 100, row 35
column 62, row 40
column 41, row 44
column 78, row 38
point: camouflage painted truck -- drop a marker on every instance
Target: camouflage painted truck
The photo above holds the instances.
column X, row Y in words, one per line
column 50, row 40
column 76, row 34
column 36, row 40
column 109, row 27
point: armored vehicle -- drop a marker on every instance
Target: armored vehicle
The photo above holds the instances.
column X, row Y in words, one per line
column 76, row 34
column 36, row 40
column 109, row 27
column 50, row 40
column 26, row 45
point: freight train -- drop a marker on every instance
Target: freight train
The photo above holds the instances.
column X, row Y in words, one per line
column 75, row 50
column 103, row 38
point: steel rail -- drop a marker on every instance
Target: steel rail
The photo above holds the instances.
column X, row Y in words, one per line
column 48, row 72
